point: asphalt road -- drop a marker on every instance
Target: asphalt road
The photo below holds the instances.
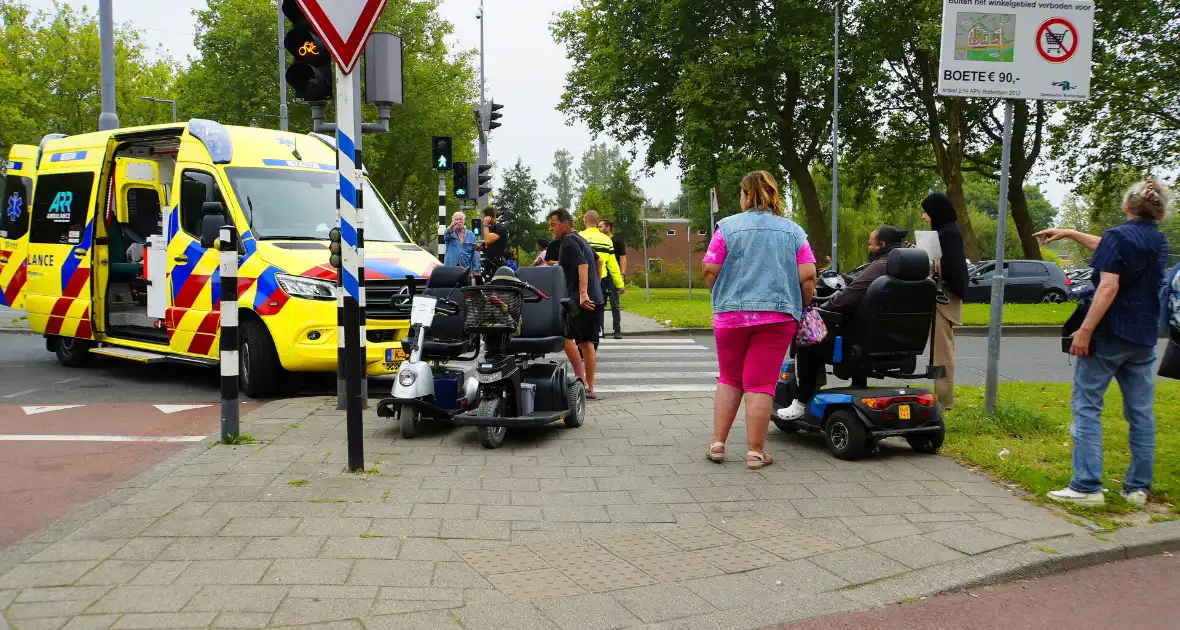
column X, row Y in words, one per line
column 1140, row 594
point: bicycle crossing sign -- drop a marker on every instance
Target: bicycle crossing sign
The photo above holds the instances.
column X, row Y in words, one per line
column 1017, row 49
column 344, row 26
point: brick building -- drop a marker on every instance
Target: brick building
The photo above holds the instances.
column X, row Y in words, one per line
column 673, row 248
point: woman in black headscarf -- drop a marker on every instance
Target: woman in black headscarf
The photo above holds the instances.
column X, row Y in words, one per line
column 939, row 212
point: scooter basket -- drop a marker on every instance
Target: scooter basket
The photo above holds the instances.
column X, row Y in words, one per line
column 493, row 307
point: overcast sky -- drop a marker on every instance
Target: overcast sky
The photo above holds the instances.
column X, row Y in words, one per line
column 525, row 71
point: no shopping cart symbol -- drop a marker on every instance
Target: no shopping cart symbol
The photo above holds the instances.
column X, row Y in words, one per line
column 1057, row 40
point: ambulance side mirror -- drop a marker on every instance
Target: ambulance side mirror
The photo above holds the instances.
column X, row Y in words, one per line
column 212, row 222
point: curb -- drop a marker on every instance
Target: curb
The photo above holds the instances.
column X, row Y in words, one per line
column 1021, row 561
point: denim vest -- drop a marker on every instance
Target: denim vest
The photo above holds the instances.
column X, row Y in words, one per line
column 760, row 273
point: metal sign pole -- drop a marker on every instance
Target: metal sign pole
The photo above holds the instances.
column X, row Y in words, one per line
column 998, row 278
column 688, row 231
column 646, row 264
column 836, row 146
column 282, row 73
column 228, row 246
column 349, row 205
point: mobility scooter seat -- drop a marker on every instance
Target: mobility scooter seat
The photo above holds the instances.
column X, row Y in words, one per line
column 446, row 340
column 542, row 330
column 892, row 323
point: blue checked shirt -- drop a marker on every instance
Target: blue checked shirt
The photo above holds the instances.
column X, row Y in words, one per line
column 1138, row 252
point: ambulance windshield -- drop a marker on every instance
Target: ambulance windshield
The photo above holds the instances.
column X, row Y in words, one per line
column 283, row 204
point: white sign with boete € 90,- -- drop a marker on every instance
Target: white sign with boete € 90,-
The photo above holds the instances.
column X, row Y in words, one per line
column 1017, row 49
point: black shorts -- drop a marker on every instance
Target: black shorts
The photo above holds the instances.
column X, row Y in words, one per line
column 583, row 327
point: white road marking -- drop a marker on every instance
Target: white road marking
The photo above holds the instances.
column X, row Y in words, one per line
column 68, row 380
column 20, row 393
column 655, row 365
column 101, row 438
column 178, row 408
column 666, row 348
column 640, row 376
column 653, row 389
column 653, row 342
column 34, row 410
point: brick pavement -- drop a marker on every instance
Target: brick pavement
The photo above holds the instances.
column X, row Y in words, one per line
column 617, row 524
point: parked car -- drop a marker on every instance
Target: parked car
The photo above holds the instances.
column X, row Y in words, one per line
column 1079, row 281
column 1028, row 282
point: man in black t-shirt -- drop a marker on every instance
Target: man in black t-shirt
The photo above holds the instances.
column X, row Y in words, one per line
column 495, row 243
column 584, row 288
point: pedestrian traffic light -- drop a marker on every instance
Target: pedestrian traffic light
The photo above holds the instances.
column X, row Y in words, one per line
column 441, row 156
column 334, row 248
column 310, row 74
column 481, row 179
column 462, row 179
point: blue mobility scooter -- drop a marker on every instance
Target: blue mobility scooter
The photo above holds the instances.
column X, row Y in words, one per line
column 883, row 339
column 521, row 317
column 426, row 387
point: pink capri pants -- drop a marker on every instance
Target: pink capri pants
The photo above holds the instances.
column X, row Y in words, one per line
column 750, row 357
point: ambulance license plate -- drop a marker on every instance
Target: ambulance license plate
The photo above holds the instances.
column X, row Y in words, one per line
column 903, row 412
column 394, row 356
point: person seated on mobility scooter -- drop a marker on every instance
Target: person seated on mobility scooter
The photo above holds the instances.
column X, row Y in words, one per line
column 425, row 385
column 521, row 317
column 882, row 338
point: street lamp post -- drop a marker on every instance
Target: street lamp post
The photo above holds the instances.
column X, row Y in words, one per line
column 163, row 100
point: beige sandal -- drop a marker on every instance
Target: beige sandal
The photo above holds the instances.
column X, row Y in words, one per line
column 756, row 460
column 716, row 451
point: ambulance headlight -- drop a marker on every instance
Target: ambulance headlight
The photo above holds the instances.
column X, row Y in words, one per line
column 307, row 288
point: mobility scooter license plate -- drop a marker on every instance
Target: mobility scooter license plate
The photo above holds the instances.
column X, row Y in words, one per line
column 903, row 412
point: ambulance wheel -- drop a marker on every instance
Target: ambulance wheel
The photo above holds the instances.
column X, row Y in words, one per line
column 845, row 435
column 72, row 352
column 259, row 371
column 576, row 399
column 408, row 417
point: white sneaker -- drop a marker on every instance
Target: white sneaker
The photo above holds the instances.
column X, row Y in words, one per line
column 1069, row 495
column 1137, row 497
column 794, row 412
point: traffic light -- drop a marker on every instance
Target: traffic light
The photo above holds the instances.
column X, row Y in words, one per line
column 494, row 114
column 334, row 248
column 310, row 74
column 481, row 179
column 487, row 115
column 462, row 179
column 441, row 155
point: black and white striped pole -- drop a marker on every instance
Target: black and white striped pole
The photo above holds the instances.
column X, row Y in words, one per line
column 442, row 215
column 228, row 246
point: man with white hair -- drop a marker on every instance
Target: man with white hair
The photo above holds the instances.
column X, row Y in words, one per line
column 460, row 244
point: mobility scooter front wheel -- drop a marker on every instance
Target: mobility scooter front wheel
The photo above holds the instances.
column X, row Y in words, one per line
column 408, row 416
column 490, row 437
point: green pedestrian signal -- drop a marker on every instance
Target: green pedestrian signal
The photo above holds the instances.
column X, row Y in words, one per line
column 441, row 146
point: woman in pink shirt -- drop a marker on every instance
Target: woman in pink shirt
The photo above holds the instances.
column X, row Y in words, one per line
column 762, row 275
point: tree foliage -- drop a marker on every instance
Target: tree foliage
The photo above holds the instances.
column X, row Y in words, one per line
column 50, row 74
column 711, row 80
column 516, row 206
column 234, row 81
column 561, row 180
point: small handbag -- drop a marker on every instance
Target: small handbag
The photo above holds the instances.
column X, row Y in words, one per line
column 812, row 328
column 1170, row 364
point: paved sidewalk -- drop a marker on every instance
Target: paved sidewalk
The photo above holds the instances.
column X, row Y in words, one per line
column 617, row 524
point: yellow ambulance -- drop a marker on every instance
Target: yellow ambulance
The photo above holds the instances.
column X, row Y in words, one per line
column 115, row 263
column 16, row 197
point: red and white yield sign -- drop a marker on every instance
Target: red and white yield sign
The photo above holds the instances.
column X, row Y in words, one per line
column 344, row 25
column 1057, row 40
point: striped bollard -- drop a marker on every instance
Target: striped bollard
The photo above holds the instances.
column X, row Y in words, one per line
column 351, row 331
column 442, row 217
column 228, row 247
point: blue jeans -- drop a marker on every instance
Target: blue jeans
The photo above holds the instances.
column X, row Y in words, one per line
column 1132, row 366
